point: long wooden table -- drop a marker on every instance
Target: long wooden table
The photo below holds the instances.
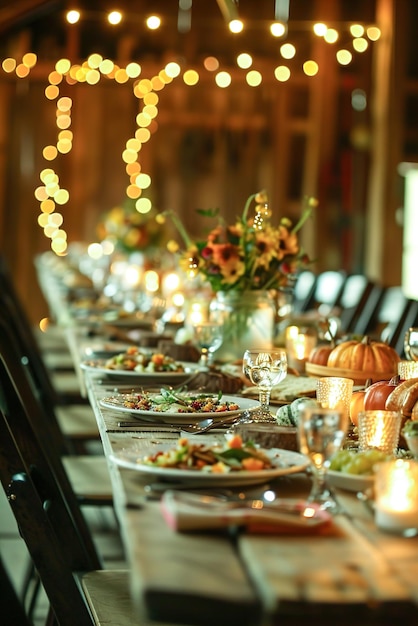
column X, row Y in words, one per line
column 351, row 572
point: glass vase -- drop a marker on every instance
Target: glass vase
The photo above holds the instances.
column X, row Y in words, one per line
column 249, row 320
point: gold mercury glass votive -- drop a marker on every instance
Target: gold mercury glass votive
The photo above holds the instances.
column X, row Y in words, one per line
column 408, row 370
column 379, row 430
column 335, row 392
column 396, row 496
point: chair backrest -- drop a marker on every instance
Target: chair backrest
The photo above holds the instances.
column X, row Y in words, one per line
column 27, row 351
column 327, row 292
column 11, row 609
column 363, row 323
column 390, row 312
column 303, row 291
column 408, row 320
column 42, row 500
column 353, row 298
column 19, row 322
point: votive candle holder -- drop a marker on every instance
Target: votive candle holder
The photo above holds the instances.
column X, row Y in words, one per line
column 379, row 430
column 407, row 370
column 334, row 392
column 396, row 496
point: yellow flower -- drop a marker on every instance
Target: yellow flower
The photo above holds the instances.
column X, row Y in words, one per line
column 249, row 254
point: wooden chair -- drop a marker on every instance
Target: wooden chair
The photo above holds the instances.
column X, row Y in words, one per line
column 353, row 298
column 389, row 317
column 76, row 421
column 52, row 525
column 409, row 319
column 303, row 291
column 88, row 472
column 327, row 292
column 11, row 608
column 364, row 321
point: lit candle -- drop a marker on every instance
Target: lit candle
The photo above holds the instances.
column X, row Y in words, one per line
column 334, row 392
column 380, row 430
column 396, row 496
column 299, row 345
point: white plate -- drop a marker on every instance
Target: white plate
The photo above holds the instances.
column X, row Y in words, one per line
column 285, row 461
column 97, row 366
column 350, row 482
column 116, row 403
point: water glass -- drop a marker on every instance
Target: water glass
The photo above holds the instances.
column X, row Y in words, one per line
column 321, row 433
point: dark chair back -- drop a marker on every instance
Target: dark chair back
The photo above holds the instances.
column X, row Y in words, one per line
column 409, row 319
column 328, row 288
column 303, row 291
column 392, row 315
column 46, row 510
column 11, row 609
column 354, row 296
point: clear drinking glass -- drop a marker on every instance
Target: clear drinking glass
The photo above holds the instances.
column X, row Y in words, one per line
column 208, row 336
column 411, row 344
column 321, row 433
column 264, row 369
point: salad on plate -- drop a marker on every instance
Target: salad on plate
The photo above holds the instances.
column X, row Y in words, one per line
column 219, row 458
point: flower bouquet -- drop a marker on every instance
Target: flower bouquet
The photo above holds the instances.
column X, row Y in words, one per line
column 129, row 230
column 250, row 254
column 247, row 265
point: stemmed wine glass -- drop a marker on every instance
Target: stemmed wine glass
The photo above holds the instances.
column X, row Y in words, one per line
column 411, row 344
column 265, row 369
column 321, row 433
column 208, row 336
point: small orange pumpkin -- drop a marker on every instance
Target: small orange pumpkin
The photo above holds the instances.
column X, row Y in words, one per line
column 320, row 354
column 365, row 355
column 356, row 405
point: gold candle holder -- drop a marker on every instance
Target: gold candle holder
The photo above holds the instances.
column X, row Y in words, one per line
column 379, row 430
column 334, row 392
column 408, row 370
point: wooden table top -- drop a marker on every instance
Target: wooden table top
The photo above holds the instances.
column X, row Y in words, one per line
column 350, row 571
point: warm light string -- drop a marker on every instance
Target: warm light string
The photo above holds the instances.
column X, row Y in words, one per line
column 96, row 68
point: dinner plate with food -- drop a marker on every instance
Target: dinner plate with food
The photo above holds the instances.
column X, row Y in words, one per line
column 178, row 406
column 139, row 363
column 229, row 461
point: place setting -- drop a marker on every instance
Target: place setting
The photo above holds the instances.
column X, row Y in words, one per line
column 208, row 460
column 139, row 365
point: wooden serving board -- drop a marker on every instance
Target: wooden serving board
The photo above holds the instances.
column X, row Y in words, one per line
column 359, row 377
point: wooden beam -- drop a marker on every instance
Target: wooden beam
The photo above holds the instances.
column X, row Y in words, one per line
column 20, row 12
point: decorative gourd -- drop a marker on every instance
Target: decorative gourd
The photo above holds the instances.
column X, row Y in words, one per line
column 320, row 354
column 288, row 414
column 376, row 395
column 365, row 355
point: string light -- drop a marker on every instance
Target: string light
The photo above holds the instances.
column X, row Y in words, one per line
column 50, row 194
column 114, row 18
column 153, row 22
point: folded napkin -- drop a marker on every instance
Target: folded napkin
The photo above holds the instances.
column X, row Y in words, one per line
column 185, row 511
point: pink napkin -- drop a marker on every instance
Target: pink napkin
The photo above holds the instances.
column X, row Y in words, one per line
column 185, row 511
